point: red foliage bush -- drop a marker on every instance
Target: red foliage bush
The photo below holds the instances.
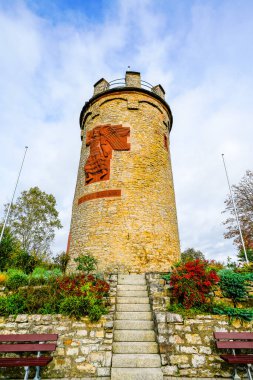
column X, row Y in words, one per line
column 192, row 281
column 81, row 284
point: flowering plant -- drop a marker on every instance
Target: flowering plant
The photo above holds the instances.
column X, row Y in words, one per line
column 192, row 281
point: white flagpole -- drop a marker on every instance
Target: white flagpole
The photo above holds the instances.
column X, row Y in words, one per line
column 10, row 204
column 235, row 210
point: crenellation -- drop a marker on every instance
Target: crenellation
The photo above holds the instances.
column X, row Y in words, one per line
column 133, row 79
column 100, row 86
column 158, row 89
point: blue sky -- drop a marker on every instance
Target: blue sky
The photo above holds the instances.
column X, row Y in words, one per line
column 51, row 54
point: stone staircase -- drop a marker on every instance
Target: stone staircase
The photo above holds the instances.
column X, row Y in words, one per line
column 135, row 351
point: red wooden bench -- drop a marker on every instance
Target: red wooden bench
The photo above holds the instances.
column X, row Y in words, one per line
column 28, row 345
column 236, row 341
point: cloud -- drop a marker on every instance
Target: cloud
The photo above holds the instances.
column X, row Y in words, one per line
column 199, row 52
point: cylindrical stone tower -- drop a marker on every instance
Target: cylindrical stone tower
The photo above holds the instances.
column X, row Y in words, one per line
column 124, row 210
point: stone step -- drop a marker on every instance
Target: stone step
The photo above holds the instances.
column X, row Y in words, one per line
column 136, row 374
column 133, row 276
column 136, row 360
column 133, row 315
column 132, row 287
column 134, row 336
column 136, row 300
column 132, row 293
column 133, row 307
column 133, row 325
column 131, row 279
column 132, row 282
column 135, row 348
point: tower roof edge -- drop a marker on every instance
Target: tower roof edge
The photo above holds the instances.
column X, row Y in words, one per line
column 126, row 89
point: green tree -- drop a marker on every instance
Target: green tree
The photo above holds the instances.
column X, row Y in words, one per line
column 241, row 255
column 33, row 220
column 243, row 196
column 61, row 260
column 23, row 260
column 191, row 254
column 8, row 246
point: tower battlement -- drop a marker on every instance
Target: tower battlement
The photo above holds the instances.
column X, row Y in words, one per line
column 132, row 79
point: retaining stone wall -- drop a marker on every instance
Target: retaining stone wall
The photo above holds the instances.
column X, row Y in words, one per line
column 84, row 349
column 187, row 345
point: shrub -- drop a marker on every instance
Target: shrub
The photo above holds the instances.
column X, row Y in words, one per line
column 80, row 284
column 86, row 263
column 13, row 304
column 95, row 312
column 56, row 272
column 248, row 276
column 36, row 281
column 16, row 279
column 232, row 285
column 245, row 268
column 74, row 306
column 244, row 314
column 74, row 295
column 166, row 277
column 215, row 265
column 37, row 297
column 51, row 306
column 192, row 282
column 192, row 312
column 39, row 272
column 82, row 295
column 41, row 276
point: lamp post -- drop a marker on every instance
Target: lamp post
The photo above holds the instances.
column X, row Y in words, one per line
column 13, row 195
column 235, row 210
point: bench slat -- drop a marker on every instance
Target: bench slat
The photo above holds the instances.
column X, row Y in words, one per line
column 234, row 344
column 233, row 335
column 28, row 337
column 238, row 359
column 27, row 347
column 22, row 362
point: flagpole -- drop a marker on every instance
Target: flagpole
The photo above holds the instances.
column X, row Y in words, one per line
column 235, row 210
column 13, row 195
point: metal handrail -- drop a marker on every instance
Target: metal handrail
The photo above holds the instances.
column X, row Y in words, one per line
column 121, row 82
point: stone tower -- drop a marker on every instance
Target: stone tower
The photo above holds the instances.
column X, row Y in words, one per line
column 124, row 210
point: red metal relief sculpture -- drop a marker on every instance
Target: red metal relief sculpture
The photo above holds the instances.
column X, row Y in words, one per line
column 102, row 140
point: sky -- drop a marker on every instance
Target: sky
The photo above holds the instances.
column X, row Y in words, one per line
column 201, row 52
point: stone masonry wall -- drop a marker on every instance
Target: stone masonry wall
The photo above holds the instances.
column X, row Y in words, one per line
column 84, row 349
column 138, row 230
column 187, row 345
